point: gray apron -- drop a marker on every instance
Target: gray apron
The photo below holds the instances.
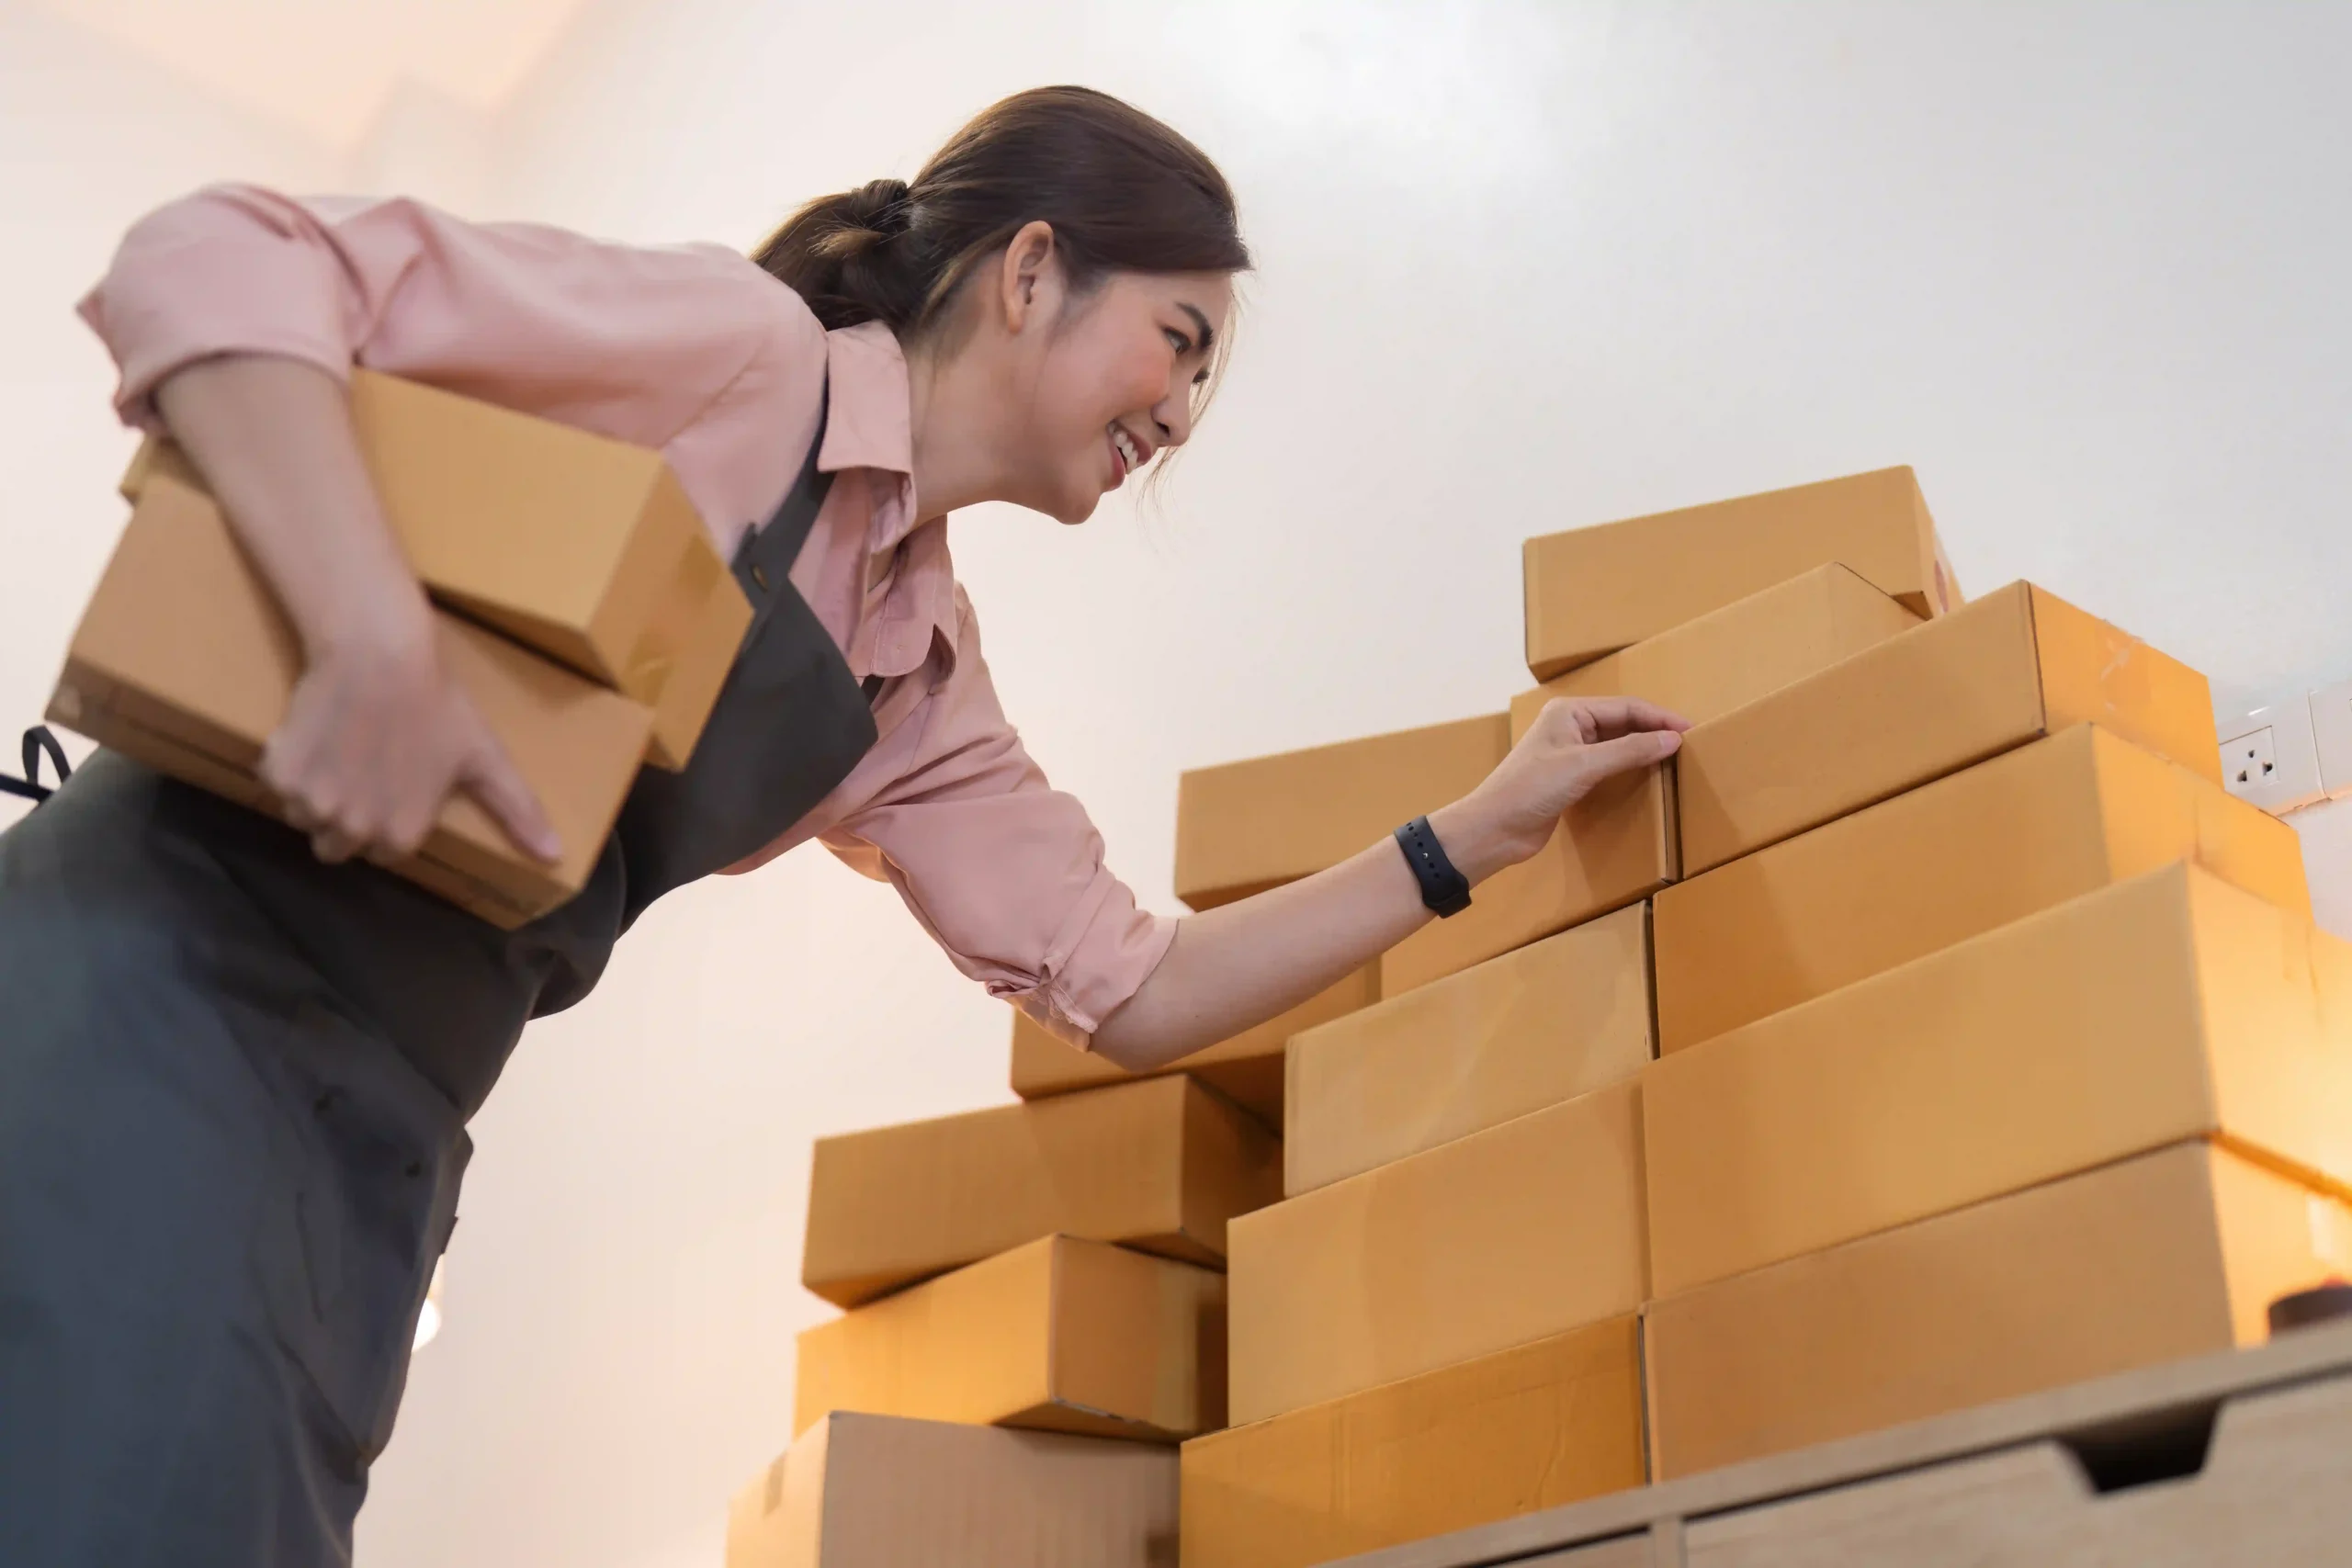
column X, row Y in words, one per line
column 233, row 1090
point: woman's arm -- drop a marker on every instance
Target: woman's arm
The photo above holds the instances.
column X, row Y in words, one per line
column 235, row 314
column 1234, row 967
column 377, row 735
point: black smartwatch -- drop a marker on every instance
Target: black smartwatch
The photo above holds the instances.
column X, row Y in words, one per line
column 1445, row 891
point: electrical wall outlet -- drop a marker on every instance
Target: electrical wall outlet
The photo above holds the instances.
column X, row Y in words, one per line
column 2253, row 758
column 2270, row 758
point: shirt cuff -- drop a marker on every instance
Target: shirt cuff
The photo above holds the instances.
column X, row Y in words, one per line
column 1114, row 953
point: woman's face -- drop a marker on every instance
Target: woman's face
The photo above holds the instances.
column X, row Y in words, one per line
column 1106, row 380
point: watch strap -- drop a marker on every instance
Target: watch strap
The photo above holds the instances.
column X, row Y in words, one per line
column 1445, row 892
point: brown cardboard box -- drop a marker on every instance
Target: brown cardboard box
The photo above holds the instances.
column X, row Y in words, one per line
column 1531, row 1427
column 1593, row 591
column 1504, row 1237
column 1246, row 827
column 881, row 1491
column 2166, row 1255
column 1247, row 1069
column 1548, row 1023
column 1973, row 850
column 1159, row 1165
column 184, row 662
column 2012, row 667
column 1615, row 847
column 1728, row 658
column 574, row 544
column 1060, row 1336
column 2168, row 1006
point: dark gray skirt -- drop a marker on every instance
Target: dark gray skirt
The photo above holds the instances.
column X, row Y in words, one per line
column 221, row 1196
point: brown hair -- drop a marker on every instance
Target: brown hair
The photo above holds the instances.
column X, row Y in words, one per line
column 1123, row 192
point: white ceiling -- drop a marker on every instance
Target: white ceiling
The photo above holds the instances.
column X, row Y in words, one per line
column 327, row 67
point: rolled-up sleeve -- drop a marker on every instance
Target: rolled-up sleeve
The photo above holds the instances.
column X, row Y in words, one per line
column 229, row 270
column 1004, row 871
column 631, row 341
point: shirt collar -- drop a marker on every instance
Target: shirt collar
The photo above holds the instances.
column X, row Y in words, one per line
column 869, row 424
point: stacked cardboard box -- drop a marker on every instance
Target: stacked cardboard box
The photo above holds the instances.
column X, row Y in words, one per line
column 577, row 546
column 884, row 1492
column 581, row 605
column 1934, row 1030
column 1055, row 1266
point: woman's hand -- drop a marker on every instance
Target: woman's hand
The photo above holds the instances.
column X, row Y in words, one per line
column 377, row 738
column 1242, row 963
column 377, row 734
column 1575, row 745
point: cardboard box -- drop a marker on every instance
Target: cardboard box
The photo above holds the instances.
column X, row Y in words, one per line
column 1973, row 850
column 184, row 662
column 583, row 548
column 1615, row 847
column 1507, row 1237
column 1548, row 1023
column 1247, row 1069
column 2166, row 1255
column 1532, row 1427
column 1728, row 658
column 2168, row 1006
column 880, row 1492
column 1593, row 591
column 1059, row 1336
column 1246, row 827
column 2014, row 666
column 1158, row 1165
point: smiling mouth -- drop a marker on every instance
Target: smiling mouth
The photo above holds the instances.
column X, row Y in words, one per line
column 1126, row 456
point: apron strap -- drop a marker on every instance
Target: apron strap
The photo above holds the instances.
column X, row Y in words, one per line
column 763, row 561
column 766, row 556
column 37, row 741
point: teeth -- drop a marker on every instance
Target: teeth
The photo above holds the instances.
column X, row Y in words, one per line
column 1126, row 446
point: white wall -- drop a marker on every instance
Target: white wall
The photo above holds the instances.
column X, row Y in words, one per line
column 90, row 138
column 1524, row 265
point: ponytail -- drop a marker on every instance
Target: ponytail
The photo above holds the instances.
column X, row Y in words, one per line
column 1122, row 191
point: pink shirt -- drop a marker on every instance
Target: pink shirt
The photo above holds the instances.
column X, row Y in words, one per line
column 696, row 352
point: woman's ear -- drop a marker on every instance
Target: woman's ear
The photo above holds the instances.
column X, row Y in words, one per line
column 1029, row 278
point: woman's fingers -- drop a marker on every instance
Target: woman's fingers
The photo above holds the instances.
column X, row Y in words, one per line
column 1587, row 720
column 490, row 776
column 334, row 845
column 1613, row 716
column 1625, row 753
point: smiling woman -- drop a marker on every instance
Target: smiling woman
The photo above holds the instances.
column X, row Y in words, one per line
column 1061, row 206
column 237, row 1059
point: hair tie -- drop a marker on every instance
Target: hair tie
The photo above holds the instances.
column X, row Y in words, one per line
column 887, row 207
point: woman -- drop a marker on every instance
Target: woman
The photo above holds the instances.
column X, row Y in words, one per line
column 236, row 1060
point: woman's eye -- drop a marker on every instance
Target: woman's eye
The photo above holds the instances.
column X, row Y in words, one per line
column 1178, row 341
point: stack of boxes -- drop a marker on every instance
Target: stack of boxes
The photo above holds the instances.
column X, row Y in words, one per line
column 579, row 601
column 1036, row 1303
column 1934, row 1030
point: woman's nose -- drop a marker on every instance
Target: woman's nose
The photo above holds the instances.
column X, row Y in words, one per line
column 1174, row 418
